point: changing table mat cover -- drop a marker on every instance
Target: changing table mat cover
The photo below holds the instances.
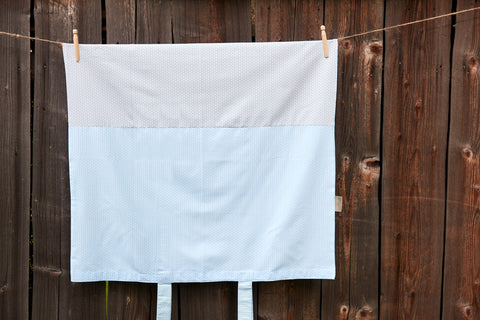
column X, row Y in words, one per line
column 202, row 162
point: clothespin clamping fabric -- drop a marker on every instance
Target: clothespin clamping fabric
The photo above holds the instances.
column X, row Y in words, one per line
column 324, row 41
column 75, row 45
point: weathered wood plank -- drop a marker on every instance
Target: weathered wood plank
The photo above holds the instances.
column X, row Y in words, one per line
column 210, row 21
column 120, row 21
column 154, row 23
column 54, row 296
column 275, row 20
column 143, row 21
column 131, row 300
column 308, row 19
column 214, row 300
column 461, row 294
column 354, row 293
column 292, row 299
column 415, row 125
column 282, row 21
column 15, row 107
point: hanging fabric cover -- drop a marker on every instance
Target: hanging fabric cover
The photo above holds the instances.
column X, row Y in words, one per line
column 202, row 162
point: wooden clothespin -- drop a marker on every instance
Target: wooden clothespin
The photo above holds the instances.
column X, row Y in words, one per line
column 75, row 45
column 324, row 41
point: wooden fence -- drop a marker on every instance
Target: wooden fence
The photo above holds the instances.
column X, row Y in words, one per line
column 408, row 158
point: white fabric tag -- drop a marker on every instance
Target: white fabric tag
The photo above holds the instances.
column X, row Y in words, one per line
column 245, row 301
column 338, row 203
column 164, row 301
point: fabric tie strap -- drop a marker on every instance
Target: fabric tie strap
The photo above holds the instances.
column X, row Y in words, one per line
column 245, row 301
column 164, row 301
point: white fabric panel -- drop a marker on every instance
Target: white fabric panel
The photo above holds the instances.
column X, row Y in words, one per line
column 202, row 85
column 245, row 301
column 164, row 301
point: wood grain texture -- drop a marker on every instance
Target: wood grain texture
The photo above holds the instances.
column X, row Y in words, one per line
column 283, row 21
column 214, row 300
column 154, row 22
column 308, row 20
column 54, row 296
column 131, row 300
column 415, row 126
column 211, row 21
column 292, row 299
column 15, row 108
column 120, row 21
column 142, row 22
column 275, row 20
column 461, row 294
column 354, row 293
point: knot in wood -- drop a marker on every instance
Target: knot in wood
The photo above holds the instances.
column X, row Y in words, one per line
column 364, row 313
column 467, row 312
column 419, row 103
column 472, row 64
column 346, row 44
column 376, row 48
column 419, row 107
column 467, row 153
column 3, row 289
column 371, row 164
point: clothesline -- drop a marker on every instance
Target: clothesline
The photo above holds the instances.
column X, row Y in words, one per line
column 410, row 23
column 340, row 38
column 16, row 35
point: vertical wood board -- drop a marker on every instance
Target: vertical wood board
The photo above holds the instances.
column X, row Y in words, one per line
column 54, row 296
column 154, row 22
column 415, row 126
column 461, row 294
column 275, row 20
column 354, row 293
column 15, row 147
column 211, row 21
column 120, row 21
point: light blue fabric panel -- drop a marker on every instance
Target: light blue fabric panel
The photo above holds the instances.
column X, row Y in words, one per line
column 202, row 204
